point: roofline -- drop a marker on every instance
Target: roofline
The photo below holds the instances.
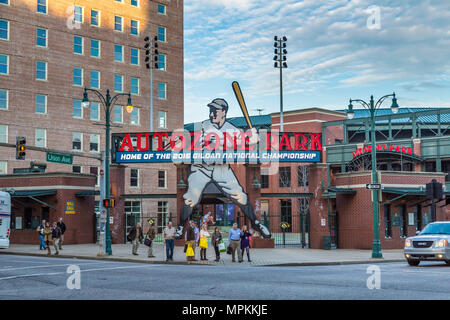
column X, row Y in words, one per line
column 46, row 174
column 309, row 110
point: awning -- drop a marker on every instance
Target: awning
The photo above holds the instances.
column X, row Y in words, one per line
column 411, row 191
column 341, row 190
column 32, row 194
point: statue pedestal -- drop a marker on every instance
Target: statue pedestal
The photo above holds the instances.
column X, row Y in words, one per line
column 261, row 243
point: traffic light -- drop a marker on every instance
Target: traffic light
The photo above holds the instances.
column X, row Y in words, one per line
column 434, row 190
column 20, row 148
column 108, row 203
column 151, row 53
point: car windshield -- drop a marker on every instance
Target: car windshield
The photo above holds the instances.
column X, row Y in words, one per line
column 437, row 228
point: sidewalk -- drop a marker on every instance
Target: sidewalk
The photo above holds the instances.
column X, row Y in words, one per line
column 259, row 257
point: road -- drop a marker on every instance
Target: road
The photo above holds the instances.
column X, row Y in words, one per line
column 26, row 277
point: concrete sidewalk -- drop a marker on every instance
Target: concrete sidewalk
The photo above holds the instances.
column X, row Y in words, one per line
column 259, row 257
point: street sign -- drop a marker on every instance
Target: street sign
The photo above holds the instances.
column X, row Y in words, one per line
column 59, row 158
column 373, row 186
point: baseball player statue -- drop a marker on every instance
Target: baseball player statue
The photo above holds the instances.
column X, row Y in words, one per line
column 220, row 173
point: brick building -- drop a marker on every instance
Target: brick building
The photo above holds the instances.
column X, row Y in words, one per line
column 51, row 50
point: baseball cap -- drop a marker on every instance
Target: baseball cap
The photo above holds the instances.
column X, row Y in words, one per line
column 219, row 103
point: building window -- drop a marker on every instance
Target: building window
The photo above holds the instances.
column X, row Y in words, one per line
column 163, row 215
column 77, row 110
column 95, row 79
column 95, row 18
column 134, row 56
column 161, row 34
column 78, row 14
column 4, row 62
column 264, row 180
column 162, row 119
column 95, row 48
column 162, row 62
column 3, row 133
column 77, row 141
column 40, row 136
column 94, row 141
column 134, row 86
column 4, row 99
column 445, row 164
column 162, row 181
column 132, row 214
column 41, row 37
column 118, row 23
column 134, row 27
column 162, row 90
column 403, row 222
column 118, row 53
column 41, row 104
column 161, row 9
column 387, row 221
column 4, row 2
column 4, row 30
column 286, row 213
column 430, row 166
column 41, row 70
column 134, row 117
column 76, row 169
column 134, row 178
column 95, row 111
column 77, row 45
column 3, row 167
column 302, row 176
column 94, row 171
column 118, row 114
column 77, row 77
column 135, row 3
column 42, row 6
column 284, row 177
column 118, row 83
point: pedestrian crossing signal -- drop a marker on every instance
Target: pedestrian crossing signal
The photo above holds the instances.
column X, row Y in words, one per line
column 108, row 203
column 20, row 148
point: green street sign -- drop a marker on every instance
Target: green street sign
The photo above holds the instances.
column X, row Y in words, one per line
column 59, row 158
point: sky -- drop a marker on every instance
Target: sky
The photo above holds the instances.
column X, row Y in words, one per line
column 337, row 50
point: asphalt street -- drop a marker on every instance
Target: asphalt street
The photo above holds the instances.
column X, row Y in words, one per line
column 26, row 277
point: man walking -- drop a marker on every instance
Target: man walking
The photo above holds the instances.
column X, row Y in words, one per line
column 62, row 226
column 56, row 237
column 169, row 239
column 190, row 239
column 234, row 242
column 136, row 237
column 151, row 233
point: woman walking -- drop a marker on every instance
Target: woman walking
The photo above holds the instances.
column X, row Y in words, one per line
column 215, row 239
column 48, row 236
column 204, row 235
column 245, row 242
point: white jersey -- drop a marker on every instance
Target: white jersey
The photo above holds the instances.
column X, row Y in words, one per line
column 209, row 128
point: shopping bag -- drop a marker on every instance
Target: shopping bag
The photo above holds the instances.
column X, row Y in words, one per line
column 222, row 246
column 147, row 242
column 185, row 247
column 203, row 243
column 190, row 251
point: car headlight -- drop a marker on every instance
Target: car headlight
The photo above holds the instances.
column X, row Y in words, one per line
column 441, row 243
column 408, row 243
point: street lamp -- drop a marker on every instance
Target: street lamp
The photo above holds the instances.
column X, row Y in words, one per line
column 107, row 102
column 280, row 62
column 376, row 247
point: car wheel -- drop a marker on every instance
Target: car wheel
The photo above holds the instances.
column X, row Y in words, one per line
column 413, row 263
column 447, row 262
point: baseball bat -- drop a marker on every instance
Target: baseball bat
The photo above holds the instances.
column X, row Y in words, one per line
column 241, row 101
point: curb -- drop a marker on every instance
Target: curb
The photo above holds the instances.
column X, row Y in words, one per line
column 289, row 264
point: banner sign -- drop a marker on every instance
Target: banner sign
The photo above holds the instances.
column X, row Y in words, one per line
column 383, row 147
column 70, row 207
column 214, row 147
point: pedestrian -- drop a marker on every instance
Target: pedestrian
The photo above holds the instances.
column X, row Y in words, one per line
column 234, row 241
column 245, row 242
column 40, row 231
column 47, row 237
column 190, row 240
column 135, row 236
column 62, row 226
column 169, row 239
column 204, row 235
column 56, row 237
column 151, row 233
column 215, row 239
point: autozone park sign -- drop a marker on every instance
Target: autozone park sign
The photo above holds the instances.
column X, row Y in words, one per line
column 217, row 147
column 383, row 147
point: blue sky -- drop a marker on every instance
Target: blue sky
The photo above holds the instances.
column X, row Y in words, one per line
column 332, row 53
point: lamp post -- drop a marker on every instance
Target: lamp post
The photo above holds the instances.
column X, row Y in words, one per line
column 107, row 102
column 372, row 106
column 280, row 62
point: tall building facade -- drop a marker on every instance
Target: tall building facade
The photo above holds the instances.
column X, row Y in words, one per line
column 50, row 50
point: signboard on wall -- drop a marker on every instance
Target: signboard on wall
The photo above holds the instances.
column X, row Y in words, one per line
column 383, row 147
column 70, row 207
